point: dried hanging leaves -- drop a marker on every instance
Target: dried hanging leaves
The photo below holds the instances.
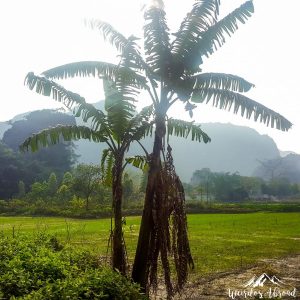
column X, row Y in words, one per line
column 169, row 236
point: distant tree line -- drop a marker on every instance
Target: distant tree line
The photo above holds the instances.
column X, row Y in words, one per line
column 81, row 192
column 206, row 185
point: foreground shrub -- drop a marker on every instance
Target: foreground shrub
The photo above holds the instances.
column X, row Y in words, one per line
column 41, row 268
column 93, row 284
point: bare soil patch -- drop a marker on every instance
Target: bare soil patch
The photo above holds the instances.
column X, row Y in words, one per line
column 219, row 286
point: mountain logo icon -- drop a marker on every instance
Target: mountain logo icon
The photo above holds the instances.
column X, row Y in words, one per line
column 262, row 280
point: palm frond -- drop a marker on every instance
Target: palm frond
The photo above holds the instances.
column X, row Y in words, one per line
column 107, row 162
column 222, row 81
column 51, row 89
column 228, row 100
column 55, row 135
column 82, row 69
column 214, row 37
column 203, row 15
column 118, row 40
column 120, row 109
column 123, row 85
column 144, row 116
column 99, row 69
column 138, row 161
column 156, row 40
column 109, row 33
column 142, row 130
column 140, row 126
column 183, row 129
column 146, row 112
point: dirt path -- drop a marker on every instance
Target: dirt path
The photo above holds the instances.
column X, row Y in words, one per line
column 228, row 285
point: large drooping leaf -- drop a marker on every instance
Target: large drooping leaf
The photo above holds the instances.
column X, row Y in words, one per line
column 215, row 36
column 138, row 161
column 247, row 107
column 71, row 100
column 140, row 126
column 122, row 43
column 49, row 88
column 183, row 129
column 126, row 90
column 156, row 40
column 120, row 110
column 203, row 15
column 82, row 69
column 107, row 162
column 109, row 33
column 102, row 70
column 55, row 135
column 222, row 81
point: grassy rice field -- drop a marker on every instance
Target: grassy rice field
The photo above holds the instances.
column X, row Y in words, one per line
column 219, row 242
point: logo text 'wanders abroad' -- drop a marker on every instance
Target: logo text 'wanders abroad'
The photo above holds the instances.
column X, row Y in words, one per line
column 264, row 286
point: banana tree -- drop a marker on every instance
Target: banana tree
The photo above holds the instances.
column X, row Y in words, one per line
column 169, row 71
column 118, row 127
column 173, row 68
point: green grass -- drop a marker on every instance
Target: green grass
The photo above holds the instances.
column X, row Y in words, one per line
column 219, row 242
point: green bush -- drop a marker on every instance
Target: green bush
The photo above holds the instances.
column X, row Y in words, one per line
column 41, row 268
column 93, row 284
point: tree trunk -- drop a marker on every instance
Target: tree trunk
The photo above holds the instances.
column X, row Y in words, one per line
column 118, row 258
column 87, row 203
column 140, row 270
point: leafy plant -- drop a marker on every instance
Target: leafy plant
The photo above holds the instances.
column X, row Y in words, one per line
column 42, row 268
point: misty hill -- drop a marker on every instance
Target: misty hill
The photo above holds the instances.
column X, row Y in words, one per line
column 30, row 167
column 58, row 158
column 3, row 127
column 232, row 149
column 24, row 125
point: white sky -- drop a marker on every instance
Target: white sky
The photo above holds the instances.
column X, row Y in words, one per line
column 37, row 35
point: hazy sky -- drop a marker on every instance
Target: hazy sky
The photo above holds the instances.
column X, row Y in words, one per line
column 37, row 35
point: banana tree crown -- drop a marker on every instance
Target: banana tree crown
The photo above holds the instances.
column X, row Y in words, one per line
column 169, row 70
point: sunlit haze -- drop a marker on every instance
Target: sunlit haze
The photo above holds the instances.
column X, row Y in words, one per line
column 37, row 35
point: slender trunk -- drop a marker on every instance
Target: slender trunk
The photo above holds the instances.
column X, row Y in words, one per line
column 118, row 259
column 140, row 271
column 87, row 203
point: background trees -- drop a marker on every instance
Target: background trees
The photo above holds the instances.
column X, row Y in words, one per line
column 86, row 179
column 32, row 167
column 228, row 187
column 12, row 170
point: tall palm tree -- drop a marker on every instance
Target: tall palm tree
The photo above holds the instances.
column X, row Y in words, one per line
column 170, row 71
